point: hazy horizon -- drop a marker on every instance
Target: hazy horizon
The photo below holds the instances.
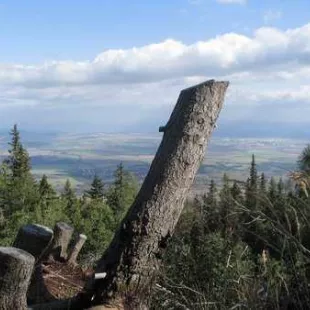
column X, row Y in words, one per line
column 64, row 69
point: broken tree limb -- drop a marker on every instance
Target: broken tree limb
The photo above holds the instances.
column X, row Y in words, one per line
column 33, row 238
column 133, row 257
column 75, row 250
column 16, row 267
column 59, row 245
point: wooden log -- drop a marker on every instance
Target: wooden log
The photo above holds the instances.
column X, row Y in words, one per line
column 59, row 245
column 16, row 268
column 133, row 257
column 33, row 238
column 75, row 250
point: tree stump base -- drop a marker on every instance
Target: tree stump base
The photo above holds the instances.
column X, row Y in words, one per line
column 16, row 268
column 33, row 238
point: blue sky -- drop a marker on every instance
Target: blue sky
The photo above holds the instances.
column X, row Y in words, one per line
column 119, row 65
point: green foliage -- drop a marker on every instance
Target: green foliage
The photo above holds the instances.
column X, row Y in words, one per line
column 18, row 160
column 97, row 189
column 122, row 192
column 237, row 246
column 23, row 201
column 304, row 160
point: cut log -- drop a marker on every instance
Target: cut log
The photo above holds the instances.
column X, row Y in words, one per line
column 134, row 255
column 16, row 267
column 74, row 252
column 33, row 238
column 59, row 245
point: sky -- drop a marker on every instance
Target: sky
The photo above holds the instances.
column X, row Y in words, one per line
column 118, row 66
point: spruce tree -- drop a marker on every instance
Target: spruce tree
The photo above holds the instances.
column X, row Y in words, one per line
column 251, row 186
column 236, row 192
column 253, row 175
column 68, row 192
column 210, row 209
column 122, row 192
column 211, row 198
column 304, row 160
column 18, row 160
column 69, row 198
column 21, row 191
column 272, row 192
column 263, row 185
column 97, row 189
column 225, row 204
column 46, row 191
column 280, row 187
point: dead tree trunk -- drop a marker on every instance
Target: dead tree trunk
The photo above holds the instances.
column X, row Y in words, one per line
column 134, row 255
column 59, row 245
column 16, row 267
column 33, row 238
column 74, row 252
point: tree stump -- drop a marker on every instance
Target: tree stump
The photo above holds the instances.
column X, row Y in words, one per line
column 133, row 257
column 59, row 245
column 33, row 238
column 75, row 250
column 16, row 268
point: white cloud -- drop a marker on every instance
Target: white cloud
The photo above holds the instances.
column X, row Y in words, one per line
column 270, row 66
column 272, row 15
column 195, row 2
column 232, row 1
column 269, row 49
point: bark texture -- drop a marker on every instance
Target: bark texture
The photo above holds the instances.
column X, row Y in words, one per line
column 59, row 245
column 134, row 255
column 16, row 267
column 33, row 238
column 74, row 252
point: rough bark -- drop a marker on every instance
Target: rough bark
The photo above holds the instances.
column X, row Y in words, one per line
column 134, row 255
column 59, row 245
column 74, row 252
column 33, row 238
column 16, row 267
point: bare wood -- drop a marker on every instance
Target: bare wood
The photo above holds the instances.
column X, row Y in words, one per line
column 134, row 255
column 33, row 238
column 16, row 267
column 59, row 245
column 74, row 252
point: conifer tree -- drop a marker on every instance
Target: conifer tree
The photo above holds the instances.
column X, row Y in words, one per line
column 68, row 192
column 251, row 186
column 304, row 160
column 210, row 208
column 122, row 192
column 262, row 185
column 236, row 192
column 272, row 192
column 226, row 202
column 18, row 161
column 211, row 198
column 46, row 191
column 280, row 187
column 97, row 189
column 21, row 190
column 253, row 175
column 69, row 198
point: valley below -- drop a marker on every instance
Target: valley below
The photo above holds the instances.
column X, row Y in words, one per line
column 79, row 157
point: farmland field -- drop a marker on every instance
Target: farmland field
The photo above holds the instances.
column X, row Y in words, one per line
column 79, row 157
